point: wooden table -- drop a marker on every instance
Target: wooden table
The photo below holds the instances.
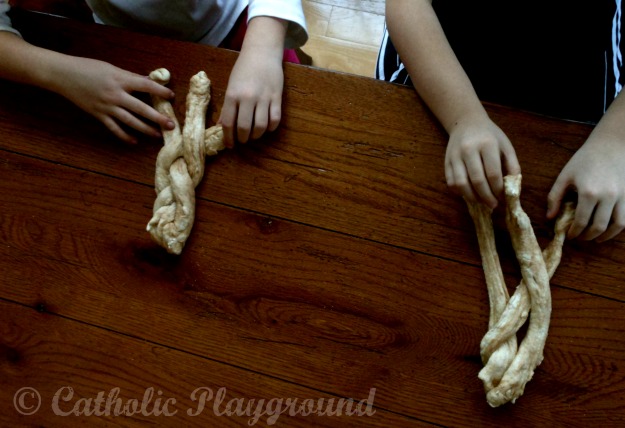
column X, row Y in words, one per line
column 327, row 259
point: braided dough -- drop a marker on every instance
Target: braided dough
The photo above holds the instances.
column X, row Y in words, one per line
column 508, row 367
column 180, row 163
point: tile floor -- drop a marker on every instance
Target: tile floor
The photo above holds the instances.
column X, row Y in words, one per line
column 345, row 35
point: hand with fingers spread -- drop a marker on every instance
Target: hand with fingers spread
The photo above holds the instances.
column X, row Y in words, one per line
column 253, row 101
column 99, row 88
column 478, row 156
column 105, row 91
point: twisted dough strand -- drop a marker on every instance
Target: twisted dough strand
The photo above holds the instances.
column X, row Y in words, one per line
column 180, row 163
column 518, row 307
column 507, row 368
column 534, row 271
column 497, row 362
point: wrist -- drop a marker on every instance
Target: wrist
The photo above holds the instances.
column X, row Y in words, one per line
column 57, row 75
column 472, row 117
column 611, row 127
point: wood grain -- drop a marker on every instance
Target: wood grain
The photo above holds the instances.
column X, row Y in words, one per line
column 52, row 354
column 331, row 313
column 326, row 259
column 338, row 162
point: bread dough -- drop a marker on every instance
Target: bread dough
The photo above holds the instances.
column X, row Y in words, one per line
column 180, row 163
column 508, row 368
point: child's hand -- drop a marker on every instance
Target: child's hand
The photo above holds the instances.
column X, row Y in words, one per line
column 253, row 101
column 105, row 91
column 473, row 162
column 597, row 173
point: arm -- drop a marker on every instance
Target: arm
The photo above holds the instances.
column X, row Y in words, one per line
column 597, row 173
column 473, row 162
column 97, row 87
column 253, row 101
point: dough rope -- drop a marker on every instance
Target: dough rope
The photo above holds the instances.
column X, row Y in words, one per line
column 507, row 369
column 499, row 360
column 180, row 163
column 517, row 310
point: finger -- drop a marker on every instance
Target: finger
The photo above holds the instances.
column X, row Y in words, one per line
column 140, row 108
column 583, row 213
column 118, row 131
column 261, row 120
column 492, row 169
column 462, row 186
column 449, row 174
column 145, row 84
column 556, row 194
column 228, row 120
column 618, row 223
column 600, row 221
column 480, row 185
column 511, row 162
column 245, row 121
column 125, row 117
column 275, row 114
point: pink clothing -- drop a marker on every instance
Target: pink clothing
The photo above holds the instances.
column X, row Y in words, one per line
column 234, row 40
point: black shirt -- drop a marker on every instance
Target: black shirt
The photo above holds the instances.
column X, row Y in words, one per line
column 551, row 57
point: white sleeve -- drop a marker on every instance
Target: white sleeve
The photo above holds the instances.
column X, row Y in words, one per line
column 289, row 10
column 5, row 21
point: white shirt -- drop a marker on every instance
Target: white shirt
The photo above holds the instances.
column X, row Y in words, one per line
column 5, row 22
column 202, row 21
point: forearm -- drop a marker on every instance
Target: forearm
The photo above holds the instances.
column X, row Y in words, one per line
column 610, row 131
column 32, row 65
column 266, row 34
column 433, row 67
